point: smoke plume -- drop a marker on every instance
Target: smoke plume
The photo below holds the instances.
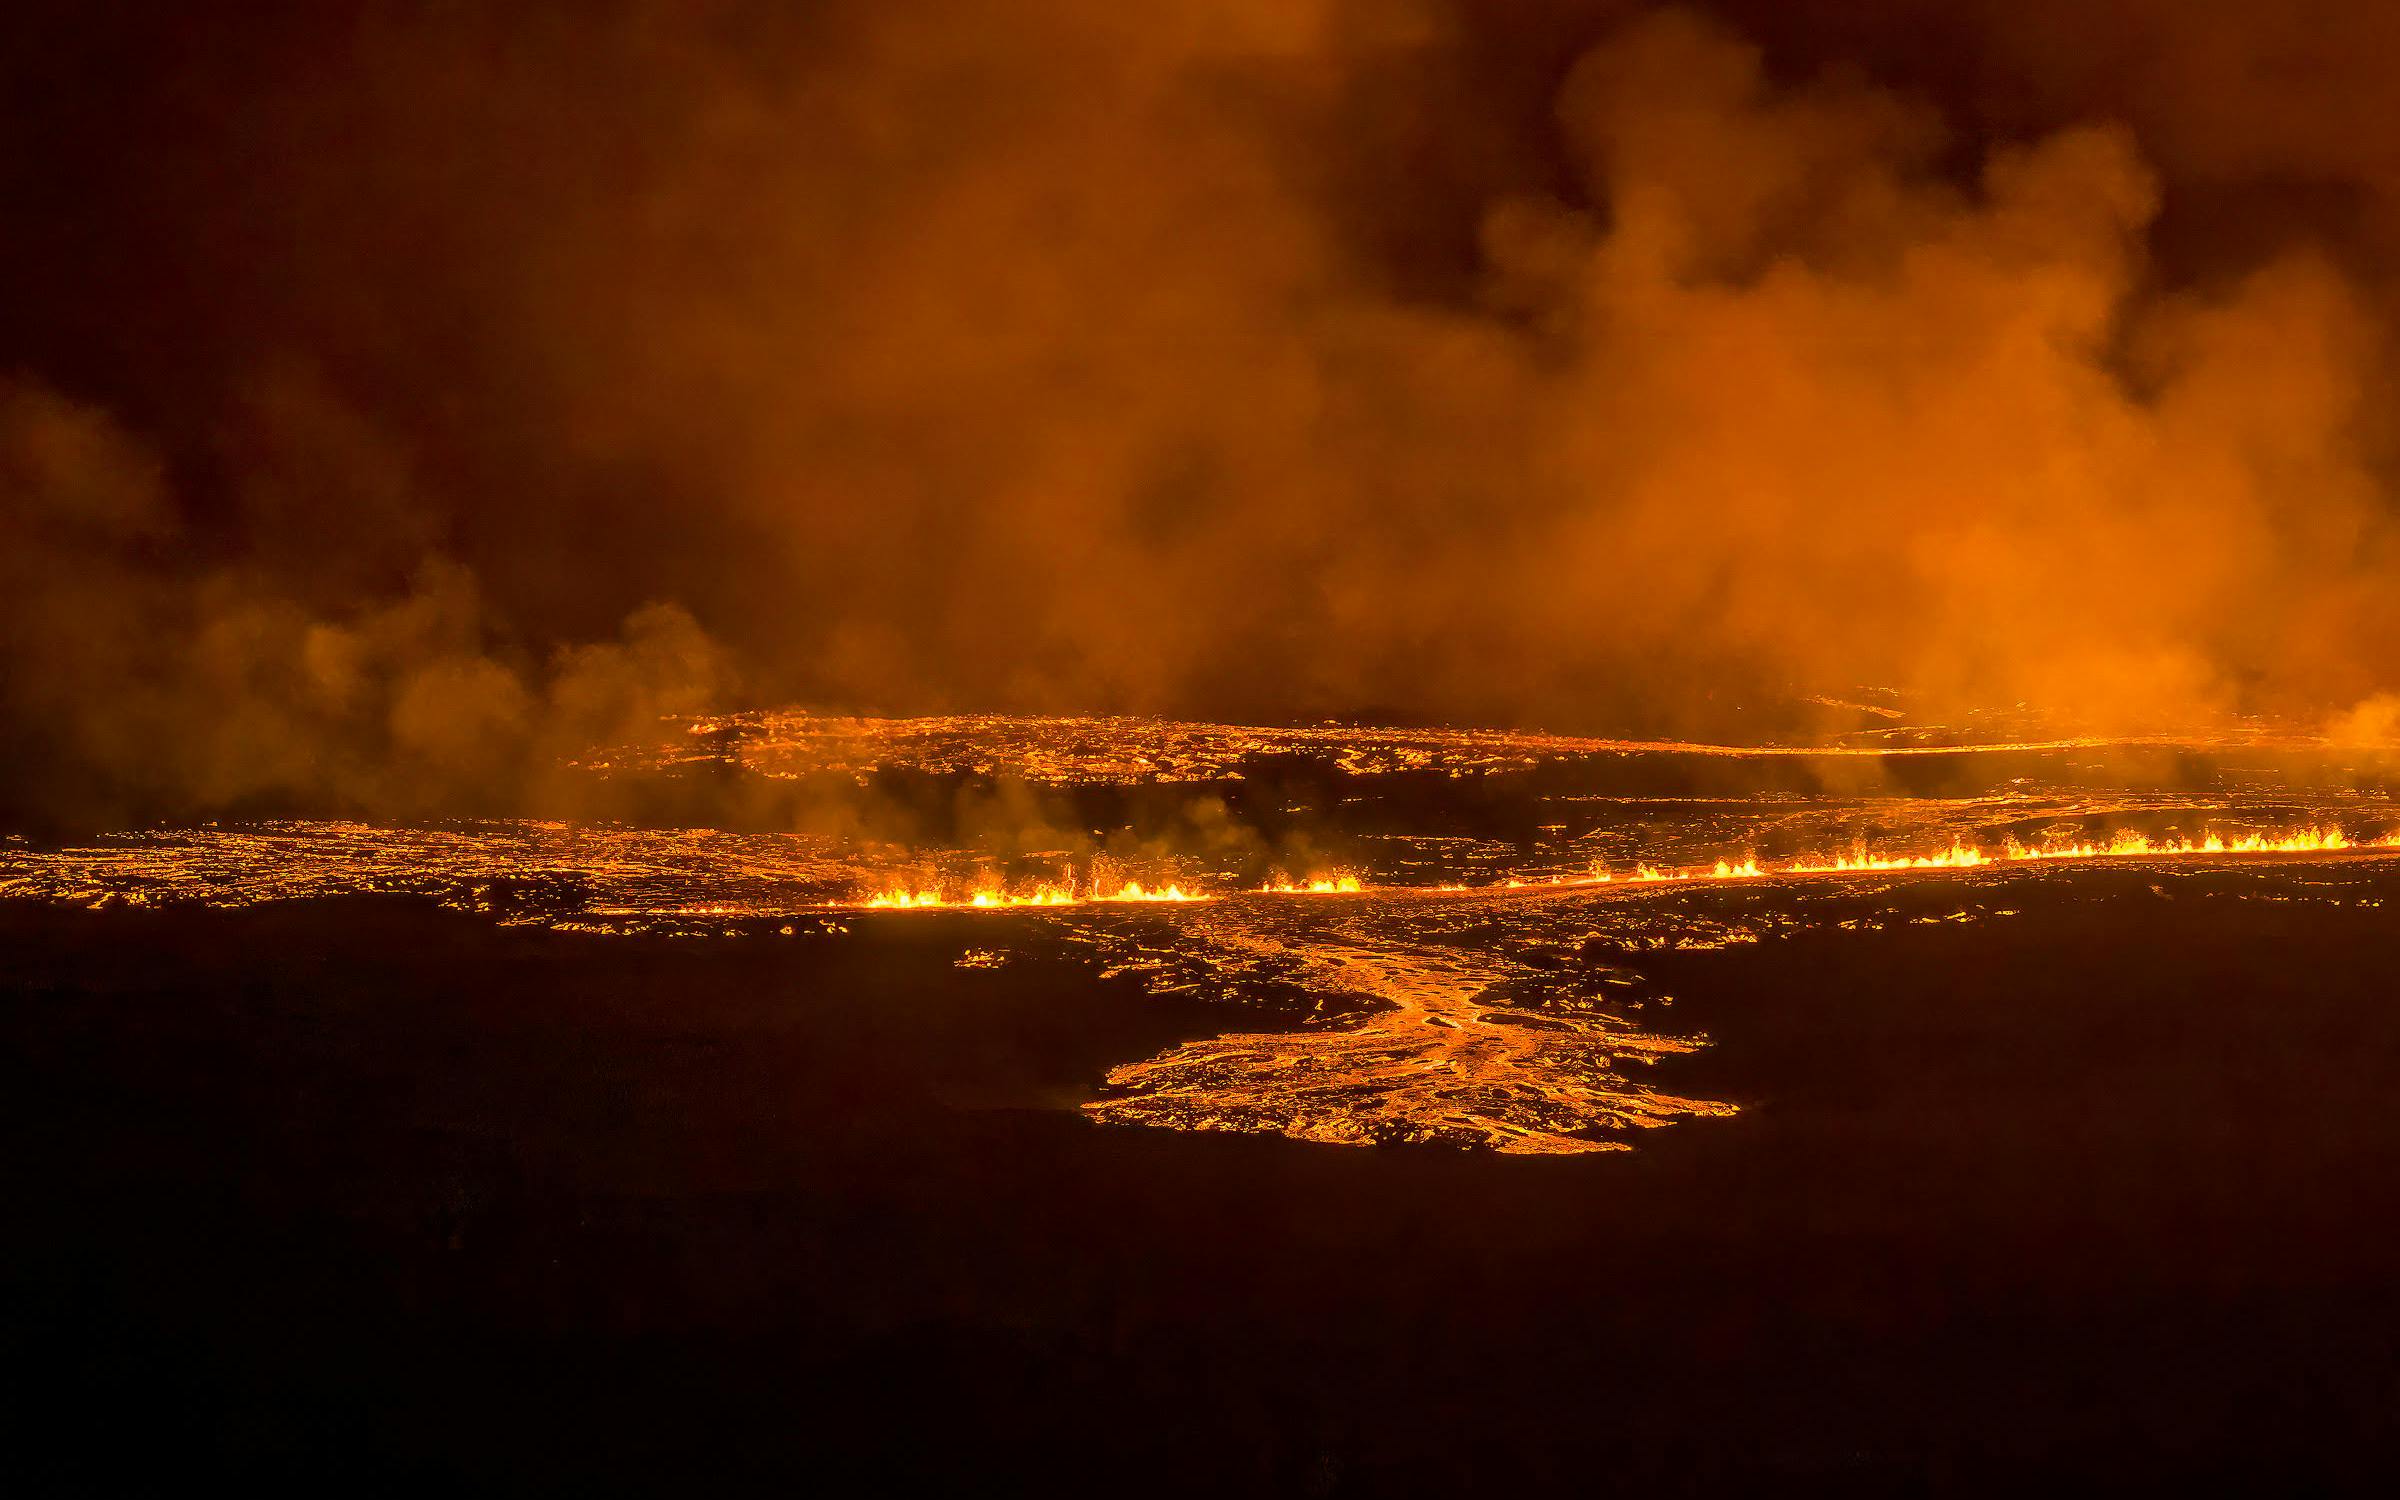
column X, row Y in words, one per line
column 410, row 395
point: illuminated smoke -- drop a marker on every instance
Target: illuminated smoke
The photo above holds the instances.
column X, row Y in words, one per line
column 519, row 380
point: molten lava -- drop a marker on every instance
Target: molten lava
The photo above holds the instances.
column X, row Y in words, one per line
column 1960, row 855
column 1956, row 857
column 2131, row 844
column 1321, row 885
column 907, row 898
column 1475, row 998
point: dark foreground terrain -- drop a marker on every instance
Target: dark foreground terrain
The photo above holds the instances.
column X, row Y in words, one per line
column 367, row 1195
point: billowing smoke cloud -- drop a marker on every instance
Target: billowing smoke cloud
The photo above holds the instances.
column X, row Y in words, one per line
column 141, row 685
column 412, row 394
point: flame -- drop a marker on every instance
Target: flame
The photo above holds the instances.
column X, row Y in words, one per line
column 903, row 899
column 2126, row 843
column 1320, row 885
column 2121, row 844
column 2130, row 843
column 1045, row 895
column 1595, row 876
column 1957, row 856
column 989, row 898
column 1134, row 890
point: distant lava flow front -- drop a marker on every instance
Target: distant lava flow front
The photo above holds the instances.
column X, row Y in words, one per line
column 1456, row 930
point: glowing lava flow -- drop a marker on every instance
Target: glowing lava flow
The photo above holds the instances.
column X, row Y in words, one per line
column 1956, row 857
column 1511, row 1014
column 1474, row 1045
column 1323, row 885
column 902, row 898
column 1048, row 895
column 1447, row 1055
column 1133, row 890
column 2140, row 845
column 2125, row 844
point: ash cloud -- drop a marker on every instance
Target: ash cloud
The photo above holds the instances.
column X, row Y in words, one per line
column 408, row 395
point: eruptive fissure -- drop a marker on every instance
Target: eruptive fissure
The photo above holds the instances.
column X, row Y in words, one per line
column 2127, row 844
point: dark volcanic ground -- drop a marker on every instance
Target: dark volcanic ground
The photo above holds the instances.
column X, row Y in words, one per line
column 367, row 1194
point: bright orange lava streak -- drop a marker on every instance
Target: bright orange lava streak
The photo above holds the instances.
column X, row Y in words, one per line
column 1323, row 885
column 1959, row 856
column 901, row 898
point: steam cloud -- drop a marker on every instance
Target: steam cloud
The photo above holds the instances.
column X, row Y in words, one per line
column 409, row 395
